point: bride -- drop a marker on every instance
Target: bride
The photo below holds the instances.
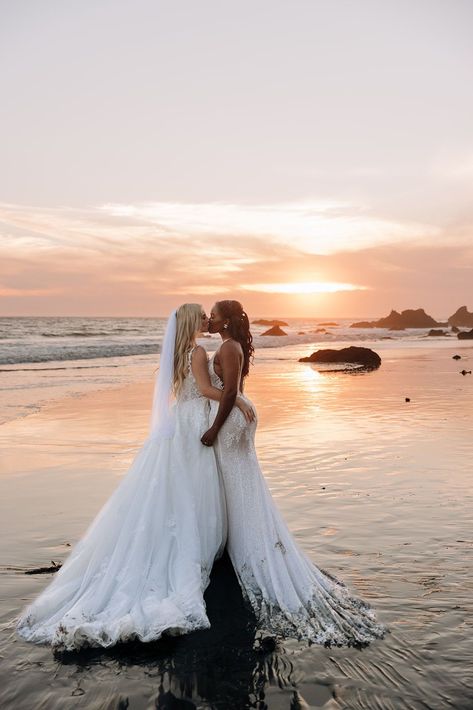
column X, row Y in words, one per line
column 142, row 566
column 289, row 595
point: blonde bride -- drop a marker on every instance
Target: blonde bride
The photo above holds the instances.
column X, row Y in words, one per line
column 142, row 566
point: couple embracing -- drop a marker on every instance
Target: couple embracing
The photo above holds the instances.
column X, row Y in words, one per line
column 194, row 488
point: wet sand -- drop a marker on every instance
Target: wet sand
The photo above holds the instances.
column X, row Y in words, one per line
column 377, row 490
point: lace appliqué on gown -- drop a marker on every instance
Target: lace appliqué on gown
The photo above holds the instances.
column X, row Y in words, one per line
column 288, row 594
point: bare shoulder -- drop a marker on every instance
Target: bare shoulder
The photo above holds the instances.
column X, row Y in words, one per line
column 230, row 348
column 199, row 354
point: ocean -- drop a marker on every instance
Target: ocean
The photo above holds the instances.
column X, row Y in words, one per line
column 42, row 358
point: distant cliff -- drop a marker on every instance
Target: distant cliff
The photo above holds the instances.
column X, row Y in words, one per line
column 398, row 321
column 461, row 318
column 264, row 321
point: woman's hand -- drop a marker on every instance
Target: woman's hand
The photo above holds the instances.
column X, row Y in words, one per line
column 209, row 437
column 245, row 407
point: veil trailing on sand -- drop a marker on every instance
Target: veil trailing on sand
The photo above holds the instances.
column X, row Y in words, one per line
column 141, row 568
column 162, row 423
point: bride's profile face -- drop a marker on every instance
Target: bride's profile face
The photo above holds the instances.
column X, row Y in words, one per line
column 204, row 322
column 216, row 322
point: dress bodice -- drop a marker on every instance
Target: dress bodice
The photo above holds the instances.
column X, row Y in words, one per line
column 189, row 389
column 214, row 378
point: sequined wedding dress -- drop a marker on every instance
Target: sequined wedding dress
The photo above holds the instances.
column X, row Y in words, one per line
column 289, row 595
column 144, row 563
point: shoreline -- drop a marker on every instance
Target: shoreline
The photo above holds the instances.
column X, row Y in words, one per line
column 113, row 373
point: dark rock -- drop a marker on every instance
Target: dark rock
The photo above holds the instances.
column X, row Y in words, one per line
column 435, row 332
column 276, row 330
column 456, row 357
column 462, row 317
column 263, row 321
column 408, row 399
column 364, row 324
column 44, row 570
column 455, row 329
column 301, row 332
column 327, row 324
column 465, row 372
column 465, row 335
column 320, row 330
column 398, row 321
column 363, row 356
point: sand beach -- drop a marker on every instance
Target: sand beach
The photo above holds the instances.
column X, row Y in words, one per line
column 377, row 490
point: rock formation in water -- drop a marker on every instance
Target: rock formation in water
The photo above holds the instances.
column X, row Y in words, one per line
column 357, row 355
column 465, row 335
column 409, row 318
column 263, row 321
column 276, row 330
column 436, row 331
column 462, row 318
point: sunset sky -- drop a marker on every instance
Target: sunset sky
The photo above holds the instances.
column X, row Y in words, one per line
column 306, row 157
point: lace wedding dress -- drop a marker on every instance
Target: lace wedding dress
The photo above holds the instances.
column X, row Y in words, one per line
column 289, row 595
column 144, row 563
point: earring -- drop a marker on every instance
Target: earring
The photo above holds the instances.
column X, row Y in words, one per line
column 225, row 325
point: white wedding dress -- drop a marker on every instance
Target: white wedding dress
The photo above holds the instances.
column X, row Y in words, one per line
column 289, row 595
column 143, row 564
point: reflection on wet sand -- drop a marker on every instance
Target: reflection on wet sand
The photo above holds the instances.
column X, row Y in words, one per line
column 228, row 665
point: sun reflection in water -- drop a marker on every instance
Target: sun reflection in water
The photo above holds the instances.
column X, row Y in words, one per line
column 315, row 382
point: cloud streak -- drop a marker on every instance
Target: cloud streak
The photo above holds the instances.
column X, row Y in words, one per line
column 303, row 287
column 316, row 227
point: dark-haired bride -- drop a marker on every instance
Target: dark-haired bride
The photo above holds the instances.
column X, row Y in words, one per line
column 289, row 595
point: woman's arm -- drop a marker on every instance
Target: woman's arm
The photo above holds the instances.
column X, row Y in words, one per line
column 200, row 370
column 230, row 361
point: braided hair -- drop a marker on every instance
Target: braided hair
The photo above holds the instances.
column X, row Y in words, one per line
column 238, row 329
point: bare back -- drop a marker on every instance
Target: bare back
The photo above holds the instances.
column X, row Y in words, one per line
column 228, row 364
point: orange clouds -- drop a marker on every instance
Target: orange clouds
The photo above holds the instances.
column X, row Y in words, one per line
column 92, row 262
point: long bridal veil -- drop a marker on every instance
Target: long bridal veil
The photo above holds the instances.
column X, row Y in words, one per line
column 162, row 424
column 143, row 564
